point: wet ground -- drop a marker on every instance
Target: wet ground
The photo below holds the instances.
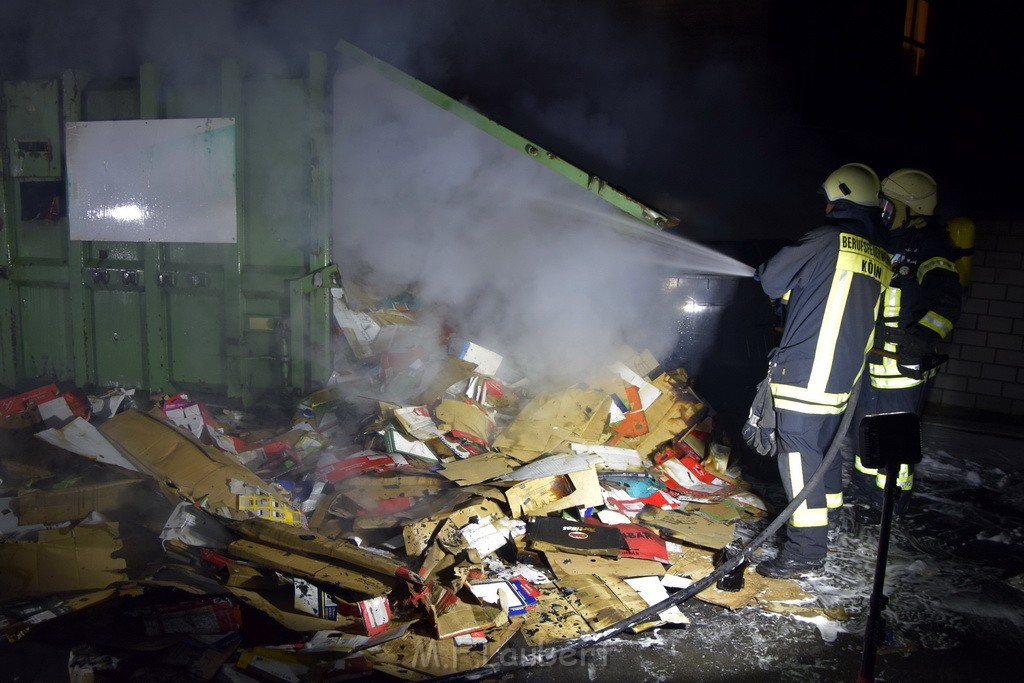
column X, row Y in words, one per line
column 953, row 612
column 952, row 615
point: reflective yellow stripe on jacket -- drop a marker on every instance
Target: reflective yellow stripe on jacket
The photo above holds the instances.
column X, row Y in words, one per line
column 935, row 322
column 806, row 400
column 885, row 374
column 938, row 324
column 857, row 257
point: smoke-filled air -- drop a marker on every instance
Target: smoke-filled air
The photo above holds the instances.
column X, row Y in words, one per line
column 511, row 254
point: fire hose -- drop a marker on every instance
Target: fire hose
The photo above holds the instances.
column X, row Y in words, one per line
column 554, row 652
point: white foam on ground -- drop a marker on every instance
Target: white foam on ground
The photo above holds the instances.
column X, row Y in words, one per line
column 934, row 596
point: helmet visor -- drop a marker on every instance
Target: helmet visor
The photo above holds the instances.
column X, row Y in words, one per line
column 888, row 211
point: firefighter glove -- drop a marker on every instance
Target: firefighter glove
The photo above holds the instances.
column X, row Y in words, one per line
column 887, row 334
column 912, row 351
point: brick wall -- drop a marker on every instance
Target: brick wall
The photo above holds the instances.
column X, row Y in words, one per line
column 985, row 371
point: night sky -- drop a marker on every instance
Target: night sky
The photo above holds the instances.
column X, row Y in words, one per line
column 727, row 114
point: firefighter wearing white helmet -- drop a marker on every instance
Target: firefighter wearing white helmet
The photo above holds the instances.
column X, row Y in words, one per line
column 855, row 183
column 833, row 279
column 910, row 191
column 920, row 308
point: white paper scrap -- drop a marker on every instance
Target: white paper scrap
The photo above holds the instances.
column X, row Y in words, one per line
column 612, row 458
column 82, row 438
column 551, row 466
column 648, row 392
column 653, row 591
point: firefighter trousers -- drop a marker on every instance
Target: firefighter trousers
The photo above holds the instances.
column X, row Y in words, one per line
column 869, row 483
column 804, row 440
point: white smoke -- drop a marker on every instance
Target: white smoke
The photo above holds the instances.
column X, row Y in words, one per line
column 520, row 259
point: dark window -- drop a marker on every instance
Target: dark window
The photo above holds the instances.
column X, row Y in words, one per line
column 915, row 35
column 43, row 200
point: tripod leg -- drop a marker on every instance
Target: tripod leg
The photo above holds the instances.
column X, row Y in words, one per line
column 872, row 629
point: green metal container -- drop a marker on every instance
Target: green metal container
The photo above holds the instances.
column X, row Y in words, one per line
column 245, row 315
column 239, row 318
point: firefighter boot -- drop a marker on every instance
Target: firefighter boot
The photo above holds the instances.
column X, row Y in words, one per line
column 783, row 567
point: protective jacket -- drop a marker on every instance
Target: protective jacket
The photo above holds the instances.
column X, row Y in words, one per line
column 833, row 279
column 922, row 303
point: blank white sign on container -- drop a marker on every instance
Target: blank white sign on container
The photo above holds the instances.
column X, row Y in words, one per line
column 160, row 180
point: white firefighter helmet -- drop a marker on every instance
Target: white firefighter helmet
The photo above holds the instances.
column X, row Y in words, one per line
column 855, row 183
column 913, row 188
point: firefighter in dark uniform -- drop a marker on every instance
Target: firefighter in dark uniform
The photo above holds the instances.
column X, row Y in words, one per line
column 832, row 281
column 919, row 309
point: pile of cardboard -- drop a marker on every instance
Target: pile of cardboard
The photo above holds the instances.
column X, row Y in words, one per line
column 418, row 544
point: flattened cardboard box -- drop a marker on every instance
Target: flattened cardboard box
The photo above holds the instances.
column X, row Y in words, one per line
column 466, row 617
column 464, row 417
column 454, row 371
column 417, row 534
column 693, row 529
column 641, row 543
column 287, row 617
column 542, row 496
column 368, row 491
column 416, row 657
column 549, row 423
column 756, row 588
column 724, row 511
column 313, row 600
column 675, row 412
column 307, row 567
column 479, row 468
column 567, row 564
column 71, row 504
column 62, row 560
column 514, row 596
column 171, row 455
column 603, row 600
column 311, row 543
column 553, row 620
column 206, row 615
column 14, row 405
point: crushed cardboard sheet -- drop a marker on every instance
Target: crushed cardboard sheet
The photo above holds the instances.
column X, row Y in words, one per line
column 693, row 529
column 565, row 565
column 549, row 423
column 310, row 568
column 553, row 620
column 756, row 589
column 416, row 656
column 79, row 558
column 184, row 465
column 404, row 548
column 726, row 511
column 478, row 469
column 310, row 543
column 553, row 534
column 76, row 502
column 418, row 534
column 284, row 613
column 676, row 411
column 550, row 494
column 465, row 617
column 604, row 601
